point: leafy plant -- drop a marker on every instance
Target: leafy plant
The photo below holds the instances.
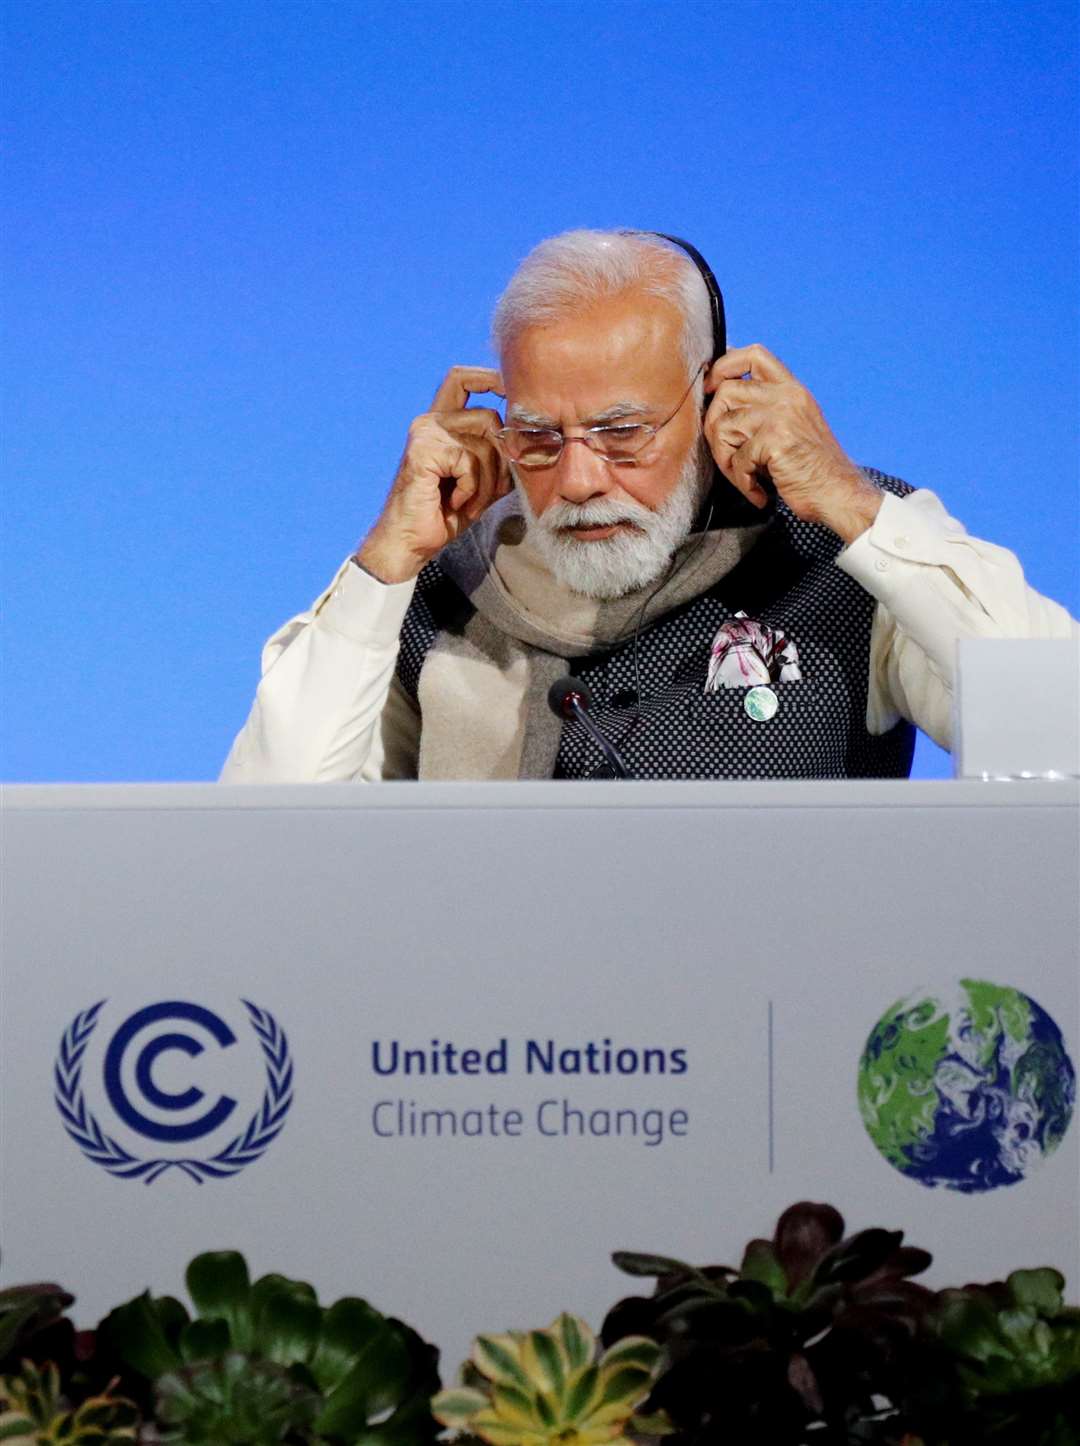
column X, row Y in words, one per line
column 35, row 1413
column 813, row 1333
column 26, row 1310
column 1010, row 1365
column 264, row 1362
column 35, row 1328
column 546, row 1388
column 261, row 1403
column 817, row 1339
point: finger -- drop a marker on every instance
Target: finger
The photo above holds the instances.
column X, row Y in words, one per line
column 723, row 444
column 740, row 393
column 502, row 481
column 475, row 474
column 461, row 481
column 727, row 433
column 470, row 421
column 434, row 441
column 489, row 470
column 732, row 428
column 460, row 383
column 743, row 470
column 754, row 360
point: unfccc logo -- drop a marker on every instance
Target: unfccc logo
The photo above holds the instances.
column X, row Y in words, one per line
column 133, row 1084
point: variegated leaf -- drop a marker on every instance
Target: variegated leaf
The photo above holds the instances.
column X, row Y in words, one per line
column 577, row 1339
column 546, row 1414
column 631, row 1350
column 17, row 1428
column 615, row 1414
column 455, row 1407
column 621, row 1390
column 582, row 1394
column 491, row 1427
column 516, row 1406
column 499, row 1357
column 543, row 1357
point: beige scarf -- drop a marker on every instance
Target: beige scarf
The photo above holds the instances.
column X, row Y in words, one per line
column 483, row 691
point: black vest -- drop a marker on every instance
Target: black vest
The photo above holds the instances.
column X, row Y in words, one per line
column 787, row 581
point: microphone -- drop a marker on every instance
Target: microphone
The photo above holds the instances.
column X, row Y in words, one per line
column 570, row 698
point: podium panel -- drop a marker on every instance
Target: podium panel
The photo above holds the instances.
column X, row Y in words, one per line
column 448, row 1046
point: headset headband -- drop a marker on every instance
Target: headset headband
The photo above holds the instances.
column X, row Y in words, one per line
column 716, row 299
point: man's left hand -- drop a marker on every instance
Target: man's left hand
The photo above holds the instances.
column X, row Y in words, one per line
column 762, row 422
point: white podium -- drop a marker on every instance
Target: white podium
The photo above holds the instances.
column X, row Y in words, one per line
column 448, row 1046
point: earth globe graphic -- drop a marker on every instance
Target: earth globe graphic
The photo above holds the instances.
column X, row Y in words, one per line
column 969, row 1088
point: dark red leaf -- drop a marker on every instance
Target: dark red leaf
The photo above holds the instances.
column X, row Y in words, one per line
column 804, row 1233
column 801, row 1378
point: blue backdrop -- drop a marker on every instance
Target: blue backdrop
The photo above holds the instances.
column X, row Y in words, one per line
column 249, row 236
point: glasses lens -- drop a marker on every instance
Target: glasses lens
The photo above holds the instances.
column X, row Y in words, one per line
column 532, row 448
column 618, row 444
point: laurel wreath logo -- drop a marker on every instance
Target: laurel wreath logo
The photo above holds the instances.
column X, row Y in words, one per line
column 263, row 1128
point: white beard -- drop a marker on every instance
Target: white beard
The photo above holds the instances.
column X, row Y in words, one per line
column 610, row 567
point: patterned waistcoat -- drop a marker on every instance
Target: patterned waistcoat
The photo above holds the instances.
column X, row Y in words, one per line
column 649, row 692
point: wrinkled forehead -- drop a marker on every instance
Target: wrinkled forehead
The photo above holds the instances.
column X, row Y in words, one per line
column 621, row 351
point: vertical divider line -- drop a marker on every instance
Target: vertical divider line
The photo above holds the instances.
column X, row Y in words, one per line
column 772, row 1135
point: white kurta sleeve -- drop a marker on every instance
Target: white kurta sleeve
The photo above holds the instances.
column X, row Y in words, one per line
column 934, row 584
column 328, row 707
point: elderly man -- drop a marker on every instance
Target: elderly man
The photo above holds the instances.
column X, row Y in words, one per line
column 679, row 529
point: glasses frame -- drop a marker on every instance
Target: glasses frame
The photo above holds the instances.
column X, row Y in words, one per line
column 592, row 436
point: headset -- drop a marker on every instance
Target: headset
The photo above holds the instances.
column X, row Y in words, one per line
column 727, row 505
column 716, row 297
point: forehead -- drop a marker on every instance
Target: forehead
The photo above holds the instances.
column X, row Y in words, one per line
column 627, row 347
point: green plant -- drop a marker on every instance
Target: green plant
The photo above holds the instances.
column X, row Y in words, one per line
column 1009, row 1372
column 814, row 1333
column 264, row 1362
column 815, row 1340
column 35, row 1413
column 546, row 1387
column 253, row 1401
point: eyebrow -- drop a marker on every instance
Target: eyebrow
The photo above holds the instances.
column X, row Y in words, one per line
column 530, row 419
column 523, row 416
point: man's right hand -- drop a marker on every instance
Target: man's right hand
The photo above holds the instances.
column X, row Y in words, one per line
column 450, row 473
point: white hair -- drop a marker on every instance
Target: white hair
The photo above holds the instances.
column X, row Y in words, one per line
column 567, row 272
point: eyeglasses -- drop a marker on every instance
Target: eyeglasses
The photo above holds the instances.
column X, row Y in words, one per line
column 619, row 443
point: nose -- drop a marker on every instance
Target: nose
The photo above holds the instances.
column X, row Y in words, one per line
column 580, row 474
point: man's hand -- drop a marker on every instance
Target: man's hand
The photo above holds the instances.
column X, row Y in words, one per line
column 451, row 471
column 766, row 424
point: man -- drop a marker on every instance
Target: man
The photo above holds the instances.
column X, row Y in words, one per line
column 792, row 617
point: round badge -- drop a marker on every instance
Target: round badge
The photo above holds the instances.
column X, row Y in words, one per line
column 761, row 704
